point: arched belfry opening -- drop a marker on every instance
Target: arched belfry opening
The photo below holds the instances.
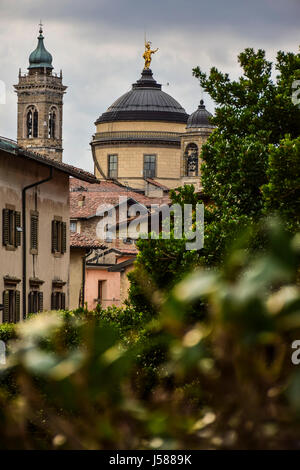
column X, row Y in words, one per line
column 52, row 133
column 32, row 123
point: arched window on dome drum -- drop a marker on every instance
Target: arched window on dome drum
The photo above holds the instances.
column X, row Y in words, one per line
column 32, row 123
column 52, row 124
column 191, row 158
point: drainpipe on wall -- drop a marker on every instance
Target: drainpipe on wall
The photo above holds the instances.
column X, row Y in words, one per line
column 24, row 246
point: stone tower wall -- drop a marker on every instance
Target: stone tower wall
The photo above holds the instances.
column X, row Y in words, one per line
column 43, row 91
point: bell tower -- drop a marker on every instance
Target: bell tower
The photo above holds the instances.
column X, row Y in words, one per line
column 40, row 104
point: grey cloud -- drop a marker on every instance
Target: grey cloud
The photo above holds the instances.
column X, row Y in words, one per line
column 256, row 16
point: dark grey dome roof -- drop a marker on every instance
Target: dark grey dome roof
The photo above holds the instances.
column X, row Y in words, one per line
column 199, row 118
column 145, row 102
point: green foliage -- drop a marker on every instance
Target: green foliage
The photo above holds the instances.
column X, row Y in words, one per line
column 128, row 322
column 282, row 192
column 7, row 331
column 162, row 262
column 251, row 113
column 227, row 382
column 7, row 379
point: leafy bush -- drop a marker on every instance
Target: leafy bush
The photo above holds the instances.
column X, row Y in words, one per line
column 227, row 382
column 7, row 332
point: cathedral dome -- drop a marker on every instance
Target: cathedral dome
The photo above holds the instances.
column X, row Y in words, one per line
column 40, row 57
column 145, row 102
column 199, row 118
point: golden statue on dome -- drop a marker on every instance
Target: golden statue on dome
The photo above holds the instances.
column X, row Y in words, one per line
column 147, row 54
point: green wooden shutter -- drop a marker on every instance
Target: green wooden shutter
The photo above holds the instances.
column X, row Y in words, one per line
column 53, row 301
column 63, row 301
column 54, row 236
column 17, row 306
column 34, row 227
column 41, row 301
column 17, row 226
column 31, row 302
column 5, row 227
column 6, row 306
column 64, row 237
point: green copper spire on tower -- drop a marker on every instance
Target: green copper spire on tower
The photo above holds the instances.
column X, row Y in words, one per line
column 40, row 57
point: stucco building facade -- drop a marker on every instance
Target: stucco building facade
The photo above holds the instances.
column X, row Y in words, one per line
column 34, row 223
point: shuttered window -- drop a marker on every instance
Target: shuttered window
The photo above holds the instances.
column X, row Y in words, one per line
column 11, row 304
column 58, row 301
column 17, row 228
column 35, row 302
column 59, row 236
column 64, row 237
column 11, row 228
column 34, row 233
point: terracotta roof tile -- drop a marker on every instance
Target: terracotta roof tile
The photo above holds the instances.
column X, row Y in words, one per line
column 156, row 183
column 78, row 240
column 85, row 198
column 124, row 250
column 127, row 251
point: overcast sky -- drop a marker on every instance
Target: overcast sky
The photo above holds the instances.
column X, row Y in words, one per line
column 98, row 44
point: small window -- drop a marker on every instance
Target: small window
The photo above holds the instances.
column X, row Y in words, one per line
column 11, row 228
column 100, row 291
column 34, row 232
column 35, row 301
column 11, row 306
column 59, row 237
column 73, row 226
column 149, row 166
column 58, row 301
column 112, row 166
